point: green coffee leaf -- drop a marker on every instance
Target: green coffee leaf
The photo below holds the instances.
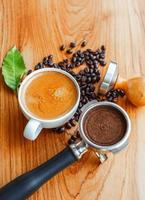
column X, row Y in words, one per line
column 13, row 67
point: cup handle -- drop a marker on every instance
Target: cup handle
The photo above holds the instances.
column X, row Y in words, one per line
column 32, row 129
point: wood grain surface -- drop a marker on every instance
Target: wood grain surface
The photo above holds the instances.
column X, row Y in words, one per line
column 38, row 27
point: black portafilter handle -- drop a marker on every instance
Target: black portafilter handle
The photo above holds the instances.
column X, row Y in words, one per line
column 23, row 186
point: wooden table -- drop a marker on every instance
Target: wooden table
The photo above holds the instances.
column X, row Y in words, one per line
column 38, row 28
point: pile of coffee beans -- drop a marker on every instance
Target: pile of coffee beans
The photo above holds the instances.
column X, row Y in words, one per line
column 74, row 137
column 86, row 78
column 113, row 95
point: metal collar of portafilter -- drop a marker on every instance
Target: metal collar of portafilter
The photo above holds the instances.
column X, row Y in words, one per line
column 82, row 143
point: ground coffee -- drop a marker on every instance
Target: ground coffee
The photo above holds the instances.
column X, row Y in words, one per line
column 104, row 125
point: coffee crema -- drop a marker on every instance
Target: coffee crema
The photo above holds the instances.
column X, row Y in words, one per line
column 104, row 125
column 50, row 95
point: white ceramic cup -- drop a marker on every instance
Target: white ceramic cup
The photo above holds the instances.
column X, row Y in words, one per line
column 35, row 125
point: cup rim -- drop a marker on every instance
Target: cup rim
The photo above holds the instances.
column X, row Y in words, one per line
column 105, row 147
column 30, row 76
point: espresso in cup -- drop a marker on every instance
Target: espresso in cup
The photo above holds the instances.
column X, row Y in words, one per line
column 48, row 98
column 50, row 95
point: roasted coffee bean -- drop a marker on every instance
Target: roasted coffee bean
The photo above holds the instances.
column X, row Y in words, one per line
column 79, row 111
column 69, row 66
column 50, row 57
column 94, row 79
column 102, row 63
column 73, row 137
column 76, row 114
column 84, row 101
column 87, row 57
column 61, row 64
column 29, row 71
column 77, row 134
column 62, row 47
column 93, row 95
column 89, row 85
column 114, row 94
column 90, row 98
column 50, row 63
column 83, row 43
column 79, row 59
column 98, row 57
column 92, row 67
column 92, row 88
column 95, row 62
column 89, row 62
column 81, row 72
column 87, row 89
column 82, row 61
column 74, row 59
column 98, row 51
column 65, row 61
column 41, row 65
column 80, row 105
column 86, row 53
column 101, row 56
column 77, row 64
column 72, row 122
column 94, row 58
column 38, row 66
column 77, row 118
column 45, row 60
column 103, row 48
column 91, row 57
column 79, row 52
column 108, row 94
column 121, row 92
column 61, row 129
column 70, row 141
column 97, row 72
column 83, row 86
column 75, row 54
column 110, row 99
column 69, row 51
column 98, row 79
column 78, row 77
column 55, row 65
column 93, row 75
column 91, row 70
column 82, row 55
column 63, row 68
column 68, row 125
column 86, row 70
column 88, row 74
column 73, row 44
column 84, row 79
column 90, row 50
column 72, row 73
column 89, row 79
